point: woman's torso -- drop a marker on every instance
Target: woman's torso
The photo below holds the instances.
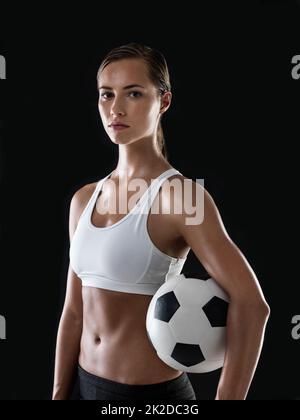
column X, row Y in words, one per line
column 114, row 342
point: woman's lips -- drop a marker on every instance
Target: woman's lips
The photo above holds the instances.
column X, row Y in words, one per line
column 118, row 127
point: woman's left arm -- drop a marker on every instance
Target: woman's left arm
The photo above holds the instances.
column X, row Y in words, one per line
column 248, row 310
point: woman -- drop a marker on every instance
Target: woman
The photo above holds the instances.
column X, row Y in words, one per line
column 117, row 261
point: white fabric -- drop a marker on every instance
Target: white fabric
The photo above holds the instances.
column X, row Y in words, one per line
column 122, row 257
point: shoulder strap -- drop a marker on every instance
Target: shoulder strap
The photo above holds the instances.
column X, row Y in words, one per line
column 94, row 196
column 154, row 188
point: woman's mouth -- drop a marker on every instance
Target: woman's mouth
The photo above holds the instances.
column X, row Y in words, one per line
column 119, row 127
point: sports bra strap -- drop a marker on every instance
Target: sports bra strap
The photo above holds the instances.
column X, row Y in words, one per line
column 154, row 188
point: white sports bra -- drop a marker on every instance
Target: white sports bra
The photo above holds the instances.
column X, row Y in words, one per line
column 122, row 257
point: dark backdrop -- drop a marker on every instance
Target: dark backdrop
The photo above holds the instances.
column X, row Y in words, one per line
column 230, row 67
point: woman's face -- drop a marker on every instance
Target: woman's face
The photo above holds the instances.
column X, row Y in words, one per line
column 127, row 96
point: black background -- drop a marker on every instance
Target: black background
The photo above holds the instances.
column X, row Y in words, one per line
column 234, row 121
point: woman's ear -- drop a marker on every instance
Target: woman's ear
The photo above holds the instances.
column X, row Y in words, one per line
column 165, row 102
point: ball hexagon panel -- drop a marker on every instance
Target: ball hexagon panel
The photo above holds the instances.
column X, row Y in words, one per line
column 161, row 336
column 213, row 343
column 192, row 292
column 183, row 325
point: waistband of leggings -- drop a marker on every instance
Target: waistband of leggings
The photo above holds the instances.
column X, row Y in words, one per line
column 179, row 382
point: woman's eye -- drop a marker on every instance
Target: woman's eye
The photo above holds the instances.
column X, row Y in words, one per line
column 103, row 95
column 136, row 93
column 108, row 95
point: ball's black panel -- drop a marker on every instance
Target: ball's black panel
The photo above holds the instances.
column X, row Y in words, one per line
column 196, row 276
column 187, row 354
column 166, row 306
column 216, row 311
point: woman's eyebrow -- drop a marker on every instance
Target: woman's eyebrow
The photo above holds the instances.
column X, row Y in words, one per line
column 126, row 87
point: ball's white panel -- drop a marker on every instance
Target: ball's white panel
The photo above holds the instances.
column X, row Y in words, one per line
column 206, row 366
column 150, row 314
column 214, row 343
column 189, row 325
column 161, row 336
column 193, row 291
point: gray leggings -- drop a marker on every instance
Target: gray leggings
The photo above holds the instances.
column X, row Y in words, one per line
column 93, row 387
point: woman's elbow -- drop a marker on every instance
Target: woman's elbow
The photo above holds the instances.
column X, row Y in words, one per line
column 265, row 308
column 260, row 304
column 261, row 308
column 253, row 306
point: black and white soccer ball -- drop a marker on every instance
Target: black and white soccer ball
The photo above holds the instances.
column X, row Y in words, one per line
column 186, row 323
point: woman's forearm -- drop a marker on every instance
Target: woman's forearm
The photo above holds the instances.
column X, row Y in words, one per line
column 245, row 334
column 66, row 355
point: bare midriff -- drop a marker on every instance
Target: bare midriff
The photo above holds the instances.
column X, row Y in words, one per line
column 114, row 342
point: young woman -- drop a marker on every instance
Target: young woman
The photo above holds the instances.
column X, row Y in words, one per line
column 118, row 261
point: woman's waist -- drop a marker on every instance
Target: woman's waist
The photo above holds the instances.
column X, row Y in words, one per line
column 129, row 338
column 123, row 358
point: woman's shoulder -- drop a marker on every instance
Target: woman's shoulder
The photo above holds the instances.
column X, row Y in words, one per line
column 182, row 191
column 84, row 192
column 82, row 195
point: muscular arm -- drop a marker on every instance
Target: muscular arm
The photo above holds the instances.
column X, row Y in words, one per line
column 68, row 341
column 248, row 311
column 70, row 325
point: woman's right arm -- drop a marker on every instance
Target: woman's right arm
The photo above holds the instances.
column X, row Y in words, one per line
column 70, row 325
column 68, row 339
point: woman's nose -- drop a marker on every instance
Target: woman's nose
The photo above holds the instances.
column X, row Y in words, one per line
column 117, row 108
column 113, row 112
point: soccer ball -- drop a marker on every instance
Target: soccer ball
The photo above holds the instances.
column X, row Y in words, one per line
column 186, row 323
